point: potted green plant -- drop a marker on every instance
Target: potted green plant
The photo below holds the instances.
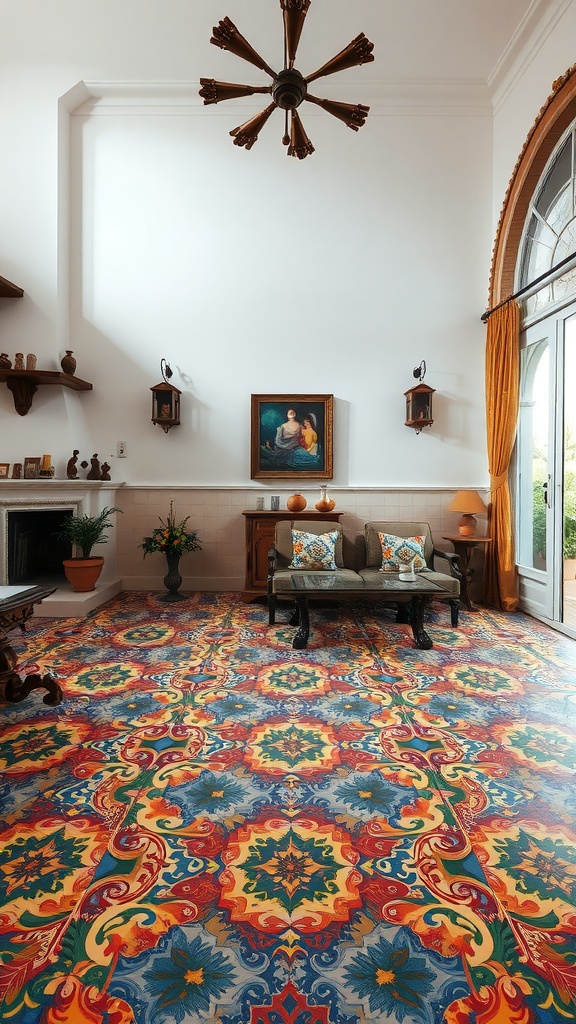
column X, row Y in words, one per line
column 84, row 532
column 172, row 539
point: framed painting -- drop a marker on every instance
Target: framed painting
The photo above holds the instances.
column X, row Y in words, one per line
column 291, row 437
column 31, row 468
column 4, row 467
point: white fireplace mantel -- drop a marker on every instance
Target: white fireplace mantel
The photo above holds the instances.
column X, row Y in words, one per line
column 83, row 497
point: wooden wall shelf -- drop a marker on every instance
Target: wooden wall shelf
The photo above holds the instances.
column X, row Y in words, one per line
column 24, row 384
column 9, row 290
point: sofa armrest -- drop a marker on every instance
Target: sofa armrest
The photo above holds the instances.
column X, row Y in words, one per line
column 454, row 561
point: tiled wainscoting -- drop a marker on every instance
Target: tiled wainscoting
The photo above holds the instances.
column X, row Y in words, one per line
column 216, row 513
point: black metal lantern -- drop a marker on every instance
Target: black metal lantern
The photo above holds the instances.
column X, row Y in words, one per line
column 419, row 401
column 165, row 401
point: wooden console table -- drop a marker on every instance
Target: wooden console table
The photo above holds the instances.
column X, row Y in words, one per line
column 16, row 607
column 260, row 538
column 464, row 547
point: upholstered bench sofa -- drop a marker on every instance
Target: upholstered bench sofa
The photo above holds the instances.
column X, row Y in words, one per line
column 331, row 566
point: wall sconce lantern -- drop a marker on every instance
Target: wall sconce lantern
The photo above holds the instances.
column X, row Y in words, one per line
column 165, row 401
column 419, row 401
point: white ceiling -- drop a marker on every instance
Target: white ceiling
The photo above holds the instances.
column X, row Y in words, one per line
column 413, row 39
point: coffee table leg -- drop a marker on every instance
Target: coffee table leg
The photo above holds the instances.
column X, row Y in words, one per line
column 403, row 612
column 17, row 689
column 294, row 619
column 421, row 637
column 301, row 639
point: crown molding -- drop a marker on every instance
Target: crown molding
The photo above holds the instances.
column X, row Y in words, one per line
column 433, row 97
column 386, row 98
column 539, row 21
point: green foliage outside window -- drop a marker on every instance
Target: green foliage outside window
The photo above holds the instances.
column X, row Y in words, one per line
column 539, row 517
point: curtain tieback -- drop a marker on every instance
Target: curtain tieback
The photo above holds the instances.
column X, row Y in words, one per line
column 496, row 482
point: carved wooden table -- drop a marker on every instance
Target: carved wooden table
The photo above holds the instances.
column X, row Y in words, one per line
column 464, row 546
column 388, row 588
column 16, row 607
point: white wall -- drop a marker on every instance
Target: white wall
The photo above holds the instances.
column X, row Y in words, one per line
column 248, row 271
column 526, row 85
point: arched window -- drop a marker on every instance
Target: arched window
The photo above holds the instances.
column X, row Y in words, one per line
column 541, row 152
column 536, row 232
column 549, row 234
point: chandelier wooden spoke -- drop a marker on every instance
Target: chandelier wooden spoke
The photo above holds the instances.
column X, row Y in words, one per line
column 289, row 88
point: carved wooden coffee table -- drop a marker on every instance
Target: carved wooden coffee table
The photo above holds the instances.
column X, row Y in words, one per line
column 16, row 607
column 302, row 587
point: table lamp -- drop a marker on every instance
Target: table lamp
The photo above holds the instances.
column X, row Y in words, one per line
column 468, row 503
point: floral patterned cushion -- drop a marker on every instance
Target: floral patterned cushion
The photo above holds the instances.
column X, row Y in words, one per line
column 313, row 550
column 401, row 549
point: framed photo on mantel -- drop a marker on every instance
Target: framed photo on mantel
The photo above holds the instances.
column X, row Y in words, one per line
column 291, row 437
column 31, row 468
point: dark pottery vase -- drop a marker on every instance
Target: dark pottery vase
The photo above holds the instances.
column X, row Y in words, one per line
column 68, row 362
column 172, row 580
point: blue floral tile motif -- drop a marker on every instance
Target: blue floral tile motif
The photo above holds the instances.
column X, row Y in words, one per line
column 350, row 706
column 367, row 795
column 392, row 979
column 181, row 979
column 214, row 795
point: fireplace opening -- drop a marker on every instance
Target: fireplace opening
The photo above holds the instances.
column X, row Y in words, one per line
column 34, row 553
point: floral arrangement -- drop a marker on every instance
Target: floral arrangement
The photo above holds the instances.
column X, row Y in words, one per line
column 171, row 537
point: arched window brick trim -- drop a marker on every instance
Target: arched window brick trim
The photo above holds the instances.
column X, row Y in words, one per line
column 554, row 118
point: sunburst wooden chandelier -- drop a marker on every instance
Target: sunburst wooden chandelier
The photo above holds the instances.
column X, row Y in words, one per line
column 289, row 87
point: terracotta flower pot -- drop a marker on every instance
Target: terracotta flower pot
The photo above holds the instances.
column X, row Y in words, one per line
column 82, row 573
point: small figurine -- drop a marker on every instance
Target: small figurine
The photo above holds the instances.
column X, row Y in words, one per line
column 71, row 467
column 19, row 361
column 94, row 473
column 105, row 474
column 5, row 362
column 17, row 471
column 30, row 361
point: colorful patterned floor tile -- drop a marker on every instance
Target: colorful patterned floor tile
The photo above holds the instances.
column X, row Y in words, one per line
column 214, row 828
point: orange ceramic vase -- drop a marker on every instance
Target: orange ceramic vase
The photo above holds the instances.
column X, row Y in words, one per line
column 325, row 504
column 296, row 503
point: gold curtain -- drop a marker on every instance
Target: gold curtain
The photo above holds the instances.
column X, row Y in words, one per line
column 502, row 397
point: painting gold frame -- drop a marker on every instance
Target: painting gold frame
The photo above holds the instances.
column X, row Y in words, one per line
column 281, row 451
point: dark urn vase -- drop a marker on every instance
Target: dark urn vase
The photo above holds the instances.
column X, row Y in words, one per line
column 68, row 362
column 172, row 580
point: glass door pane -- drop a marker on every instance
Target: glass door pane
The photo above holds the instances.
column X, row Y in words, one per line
column 533, row 454
column 569, row 476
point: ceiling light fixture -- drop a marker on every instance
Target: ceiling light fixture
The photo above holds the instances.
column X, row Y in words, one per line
column 289, row 87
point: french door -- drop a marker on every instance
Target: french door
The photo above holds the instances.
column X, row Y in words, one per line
column 546, row 470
